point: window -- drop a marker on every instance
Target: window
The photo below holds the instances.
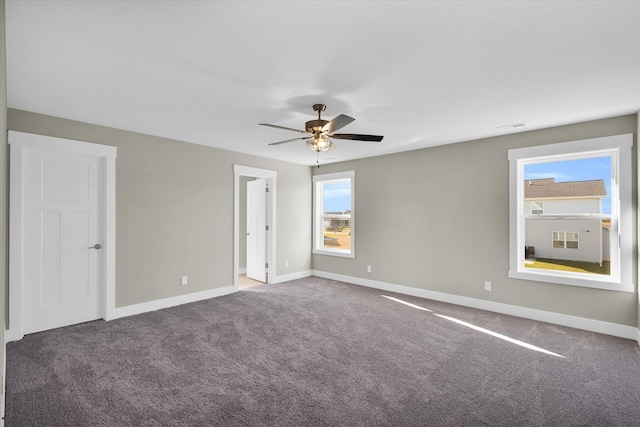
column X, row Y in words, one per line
column 579, row 194
column 571, row 240
column 334, row 214
column 562, row 240
column 537, row 208
column 558, row 239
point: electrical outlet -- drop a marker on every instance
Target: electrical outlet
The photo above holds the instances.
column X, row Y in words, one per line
column 183, row 280
column 368, row 269
column 487, row 286
column 286, row 264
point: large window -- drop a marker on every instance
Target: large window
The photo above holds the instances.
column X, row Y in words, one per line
column 334, row 214
column 570, row 213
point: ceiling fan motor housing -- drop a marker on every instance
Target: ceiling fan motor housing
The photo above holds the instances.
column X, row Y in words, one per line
column 315, row 125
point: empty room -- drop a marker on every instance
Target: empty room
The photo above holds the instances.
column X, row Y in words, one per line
column 319, row 213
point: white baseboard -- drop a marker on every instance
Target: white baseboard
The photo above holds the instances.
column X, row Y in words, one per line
column 599, row 326
column 144, row 307
column 242, row 270
column 292, row 276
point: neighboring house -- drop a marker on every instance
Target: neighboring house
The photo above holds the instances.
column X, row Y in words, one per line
column 336, row 221
column 578, row 238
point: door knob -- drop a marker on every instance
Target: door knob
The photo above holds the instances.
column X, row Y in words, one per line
column 96, row 246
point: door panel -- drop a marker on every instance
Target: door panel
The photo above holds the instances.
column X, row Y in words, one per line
column 51, row 242
column 256, row 229
column 61, row 200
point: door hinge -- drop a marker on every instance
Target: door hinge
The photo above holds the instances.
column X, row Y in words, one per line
column 266, row 265
column 266, row 227
column 266, row 189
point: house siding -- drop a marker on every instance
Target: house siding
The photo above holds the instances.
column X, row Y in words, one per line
column 567, row 206
column 538, row 233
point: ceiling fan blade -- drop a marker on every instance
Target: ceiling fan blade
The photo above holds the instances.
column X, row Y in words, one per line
column 282, row 127
column 337, row 123
column 356, row 137
column 290, row 140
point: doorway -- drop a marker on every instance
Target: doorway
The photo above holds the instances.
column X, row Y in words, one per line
column 62, row 237
column 254, row 226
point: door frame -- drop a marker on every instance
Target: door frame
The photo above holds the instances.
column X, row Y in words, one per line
column 271, row 177
column 19, row 142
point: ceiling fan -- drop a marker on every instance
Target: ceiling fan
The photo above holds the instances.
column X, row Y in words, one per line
column 320, row 131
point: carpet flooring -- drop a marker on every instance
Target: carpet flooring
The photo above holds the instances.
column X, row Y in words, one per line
column 316, row 352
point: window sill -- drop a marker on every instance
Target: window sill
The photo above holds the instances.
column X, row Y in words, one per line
column 573, row 279
column 335, row 252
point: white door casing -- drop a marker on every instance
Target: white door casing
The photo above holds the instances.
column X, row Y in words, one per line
column 256, row 229
column 270, row 257
column 62, row 203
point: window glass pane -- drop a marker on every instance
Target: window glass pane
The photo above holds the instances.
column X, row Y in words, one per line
column 575, row 188
column 336, row 199
column 580, row 186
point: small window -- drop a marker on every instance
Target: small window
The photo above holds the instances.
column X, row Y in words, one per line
column 537, row 208
column 579, row 194
column 558, row 240
column 565, row 240
column 333, row 214
column 571, row 240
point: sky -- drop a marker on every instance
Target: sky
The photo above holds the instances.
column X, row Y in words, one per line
column 575, row 170
column 337, row 197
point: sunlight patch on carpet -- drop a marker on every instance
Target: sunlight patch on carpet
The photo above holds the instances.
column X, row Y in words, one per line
column 478, row 328
column 407, row 303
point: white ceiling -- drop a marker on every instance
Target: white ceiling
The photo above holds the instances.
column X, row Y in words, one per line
column 419, row 73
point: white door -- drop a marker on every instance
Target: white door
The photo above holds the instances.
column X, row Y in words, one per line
column 256, row 229
column 62, row 239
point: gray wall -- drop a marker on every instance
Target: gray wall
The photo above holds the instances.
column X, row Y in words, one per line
column 4, row 223
column 174, row 209
column 438, row 219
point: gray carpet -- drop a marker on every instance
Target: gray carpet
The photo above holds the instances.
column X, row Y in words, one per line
column 315, row 352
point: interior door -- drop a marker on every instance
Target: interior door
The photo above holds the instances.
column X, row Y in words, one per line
column 256, row 229
column 62, row 240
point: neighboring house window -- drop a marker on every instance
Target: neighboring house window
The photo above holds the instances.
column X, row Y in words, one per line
column 562, row 240
column 334, row 214
column 593, row 208
column 537, row 208
column 558, row 239
column 571, row 240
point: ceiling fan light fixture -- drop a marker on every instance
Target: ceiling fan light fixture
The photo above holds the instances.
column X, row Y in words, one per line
column 320, row 143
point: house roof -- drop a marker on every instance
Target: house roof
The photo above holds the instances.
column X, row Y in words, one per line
column 548, row 188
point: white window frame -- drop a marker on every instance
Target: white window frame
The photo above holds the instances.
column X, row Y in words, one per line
column 318, row 213
column 618, row 147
